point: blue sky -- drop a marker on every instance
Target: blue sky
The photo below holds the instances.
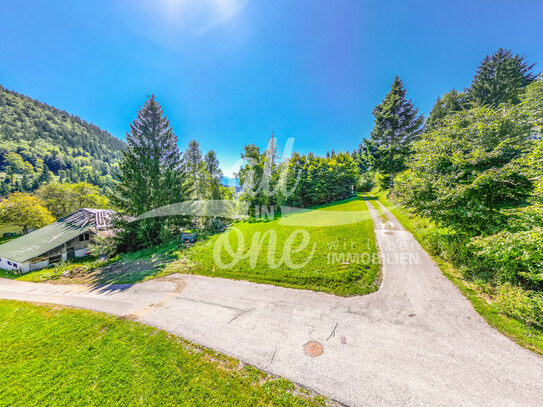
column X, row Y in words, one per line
column 229, row 71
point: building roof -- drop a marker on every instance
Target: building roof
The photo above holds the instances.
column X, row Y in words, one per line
column 43, row 240
column 100, row 218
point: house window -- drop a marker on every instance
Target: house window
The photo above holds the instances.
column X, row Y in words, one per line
column 10, row 263
column 55, row 259
column 84, row 237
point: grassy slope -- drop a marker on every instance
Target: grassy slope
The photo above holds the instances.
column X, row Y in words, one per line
column 319, row 274
column 8, row 228
column 54, row 356
column 528, row 337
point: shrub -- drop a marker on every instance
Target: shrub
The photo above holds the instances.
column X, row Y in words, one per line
column 514, row 256
column 103, row 246
column 381, row 181
column 522, row 305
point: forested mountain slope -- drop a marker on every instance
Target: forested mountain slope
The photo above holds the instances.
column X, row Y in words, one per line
column 38, row 142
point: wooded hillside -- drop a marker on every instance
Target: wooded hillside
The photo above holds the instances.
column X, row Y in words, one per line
column 38, row 141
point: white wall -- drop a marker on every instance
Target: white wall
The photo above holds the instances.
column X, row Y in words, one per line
column 25, row 267
column 39, row 265
column 81, row 252
column 4, row 264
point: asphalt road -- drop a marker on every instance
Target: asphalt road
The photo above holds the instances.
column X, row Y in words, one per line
column 415, row 342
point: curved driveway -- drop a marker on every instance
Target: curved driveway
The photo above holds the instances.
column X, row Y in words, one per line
column 415, row 342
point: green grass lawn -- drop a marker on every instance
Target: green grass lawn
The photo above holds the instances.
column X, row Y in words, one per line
column 326, row 269
column 8, row 228
column 528, row 337
column 58, row 356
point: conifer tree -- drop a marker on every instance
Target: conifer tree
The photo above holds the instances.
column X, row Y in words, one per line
column 194, row 167
column 501, row 78
column 452, row 102
column 150, row 175
column 214, row 175
column 397, row 125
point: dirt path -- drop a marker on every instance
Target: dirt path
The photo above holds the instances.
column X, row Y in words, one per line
column 415, row 342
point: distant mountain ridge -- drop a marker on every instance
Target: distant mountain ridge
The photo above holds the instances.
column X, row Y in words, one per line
column 47, row 138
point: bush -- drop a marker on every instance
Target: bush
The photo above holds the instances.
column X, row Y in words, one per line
column 513, row 256
column 464, row 174
column 522, row 305
column 381, row 181
column 103, row 246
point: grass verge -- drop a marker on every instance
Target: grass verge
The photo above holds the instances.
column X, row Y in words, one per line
column 58, row 356
column 378, row 208
column 527, row 337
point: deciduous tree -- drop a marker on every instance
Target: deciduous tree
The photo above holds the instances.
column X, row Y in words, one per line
column 62, row 198
column 465, row 174
column 25, row 210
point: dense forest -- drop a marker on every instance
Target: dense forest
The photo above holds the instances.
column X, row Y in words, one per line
column 39, row 142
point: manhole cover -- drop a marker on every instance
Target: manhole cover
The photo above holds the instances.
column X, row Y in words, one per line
column 313, row 348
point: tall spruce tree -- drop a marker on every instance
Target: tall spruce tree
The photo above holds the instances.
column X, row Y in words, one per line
column 397, row 125
column 194, row 168
column 214, row 175
column 451, row 102
column 150, row 176
column 500, row 78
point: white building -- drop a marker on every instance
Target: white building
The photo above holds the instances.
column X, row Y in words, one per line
column 64, row 239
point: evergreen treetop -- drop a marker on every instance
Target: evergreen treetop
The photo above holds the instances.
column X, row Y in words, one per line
column 501, row 78
column 452, row 102
column 150, row 171
column 397, row 125
column 194, row 167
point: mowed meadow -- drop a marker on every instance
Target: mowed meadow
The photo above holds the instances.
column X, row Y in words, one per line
column 59, row 356
column 330, row 248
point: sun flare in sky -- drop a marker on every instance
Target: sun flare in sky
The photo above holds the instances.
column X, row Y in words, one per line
column 194, row 16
